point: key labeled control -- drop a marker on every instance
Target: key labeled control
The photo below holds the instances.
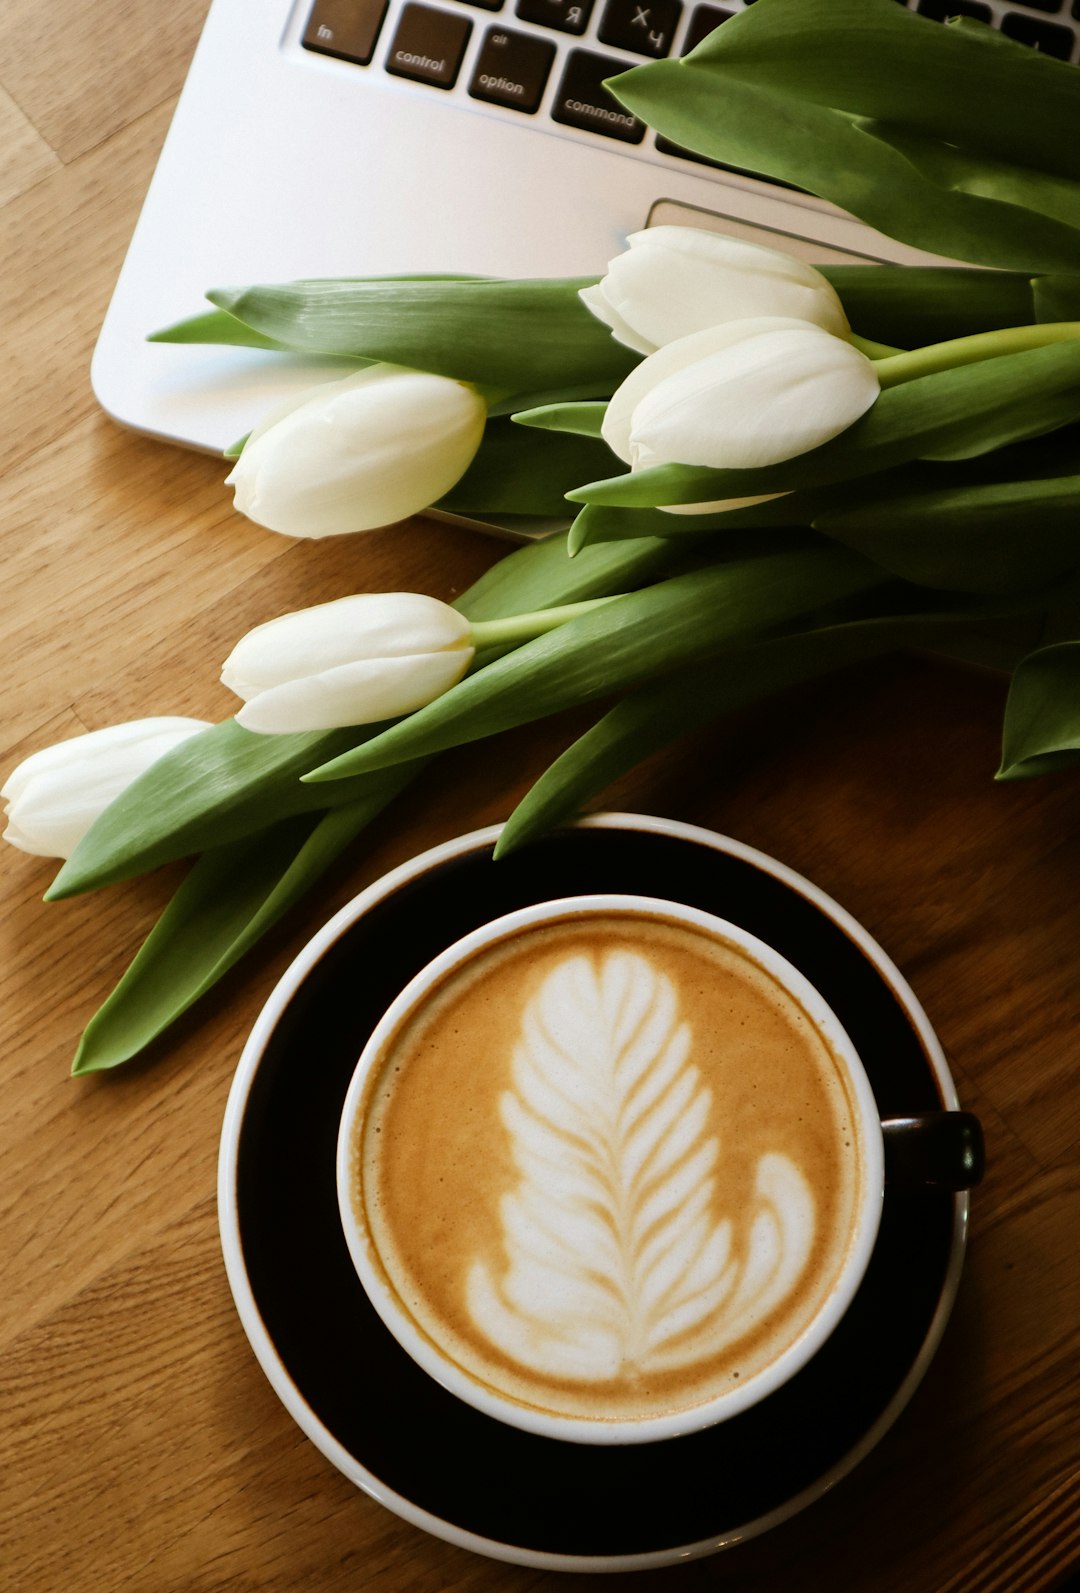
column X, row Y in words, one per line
column 512, row 69
column 428, row 46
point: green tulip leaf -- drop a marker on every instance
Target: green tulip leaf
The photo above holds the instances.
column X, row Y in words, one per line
column 1056, row 298
column 523, row 337
column 598, row 523
column 518, row 471
column 541, row 576
column 910, row 306
column 582, row 420
column 964, row 84
column 1001, row 537
column 770, row 91
column 584, row 395
column 1042, row 714
column 221, row 785
column 955, row 414
column 686, row 618
column 665, row 710
column 964, row 173
column 1038, row 461
column 216, row 327
column 228, row 783
column 229, row 899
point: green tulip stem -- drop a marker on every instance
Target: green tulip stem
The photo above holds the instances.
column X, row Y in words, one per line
column 897, row 368
column 872, row 350
column 526, row 627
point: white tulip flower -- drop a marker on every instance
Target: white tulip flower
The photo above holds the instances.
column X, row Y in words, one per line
column 362, row 452
column 672, row 281
column 354, row 661
column 53, row 797
column 739, row 396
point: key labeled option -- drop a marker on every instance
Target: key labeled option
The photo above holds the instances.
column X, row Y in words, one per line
column 429, row 46
column 583, row 101
column 512, row 69
column 644, row 26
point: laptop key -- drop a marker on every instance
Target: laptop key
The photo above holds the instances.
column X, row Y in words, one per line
column 942, row 10
column 348, row 29
column 428, row 46
column 512, row 69
column 581, row 99
column 567, row 16
column 705, row 20
column 644, row 26
column 1048, row 37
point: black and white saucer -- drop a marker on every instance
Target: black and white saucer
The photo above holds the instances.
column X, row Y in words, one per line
column 382, row 1421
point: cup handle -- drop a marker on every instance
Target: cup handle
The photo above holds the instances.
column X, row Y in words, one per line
column 941, row 1149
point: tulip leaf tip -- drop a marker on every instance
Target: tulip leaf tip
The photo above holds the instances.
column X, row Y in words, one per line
column 324, row 772
column 576, row 540
column 60, row 889
column 87, row 1062
column 224, row 298
column 84, row 1061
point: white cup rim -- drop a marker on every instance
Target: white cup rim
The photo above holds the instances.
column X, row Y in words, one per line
column 732, row 1401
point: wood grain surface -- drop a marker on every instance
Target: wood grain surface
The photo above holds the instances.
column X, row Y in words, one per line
column 141, row 1447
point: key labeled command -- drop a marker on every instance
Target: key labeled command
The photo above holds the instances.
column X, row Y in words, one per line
column 583, row 101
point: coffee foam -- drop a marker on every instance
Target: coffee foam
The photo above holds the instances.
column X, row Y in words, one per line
column 605, row 1167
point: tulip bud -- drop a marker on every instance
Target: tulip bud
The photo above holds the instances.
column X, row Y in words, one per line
column 739, row 396
column 672, row 281
column 53, row 797
column 354, row 661
column 358, row 453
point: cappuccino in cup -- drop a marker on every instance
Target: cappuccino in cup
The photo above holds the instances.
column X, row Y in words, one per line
column 610, row 1169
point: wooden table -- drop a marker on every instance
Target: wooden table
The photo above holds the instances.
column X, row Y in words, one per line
column 143, row 1448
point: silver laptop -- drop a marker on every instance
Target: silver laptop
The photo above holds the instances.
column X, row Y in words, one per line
column 364, row 137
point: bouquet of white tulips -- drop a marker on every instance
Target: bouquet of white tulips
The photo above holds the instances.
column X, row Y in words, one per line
column 768, row 471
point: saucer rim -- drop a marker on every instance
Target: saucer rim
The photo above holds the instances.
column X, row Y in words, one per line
column 265, row 1349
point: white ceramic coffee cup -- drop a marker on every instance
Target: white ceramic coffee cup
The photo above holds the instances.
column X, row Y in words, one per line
column 440, row 1364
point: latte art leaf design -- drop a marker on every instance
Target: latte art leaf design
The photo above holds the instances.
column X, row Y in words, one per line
column 616, row 1261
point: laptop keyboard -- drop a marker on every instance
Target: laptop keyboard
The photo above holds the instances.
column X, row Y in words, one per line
column 549, row 58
